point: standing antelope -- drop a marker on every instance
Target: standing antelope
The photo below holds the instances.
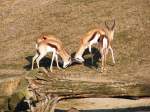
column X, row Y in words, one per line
column 50, row 43
column 102, row 37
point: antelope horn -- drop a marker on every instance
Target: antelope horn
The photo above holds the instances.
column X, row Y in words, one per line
column 107, row 25
column 113, row 26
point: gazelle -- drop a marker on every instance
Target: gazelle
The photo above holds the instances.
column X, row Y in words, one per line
column 50, row 43
column 93, row 37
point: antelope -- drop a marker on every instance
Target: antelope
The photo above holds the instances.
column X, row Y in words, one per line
column 50, row 43
column 102, row 37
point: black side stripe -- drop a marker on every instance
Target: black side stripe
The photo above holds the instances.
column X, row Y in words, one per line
column 101, row 39
column 38, row 52
column 52, row 45
column 93, row 36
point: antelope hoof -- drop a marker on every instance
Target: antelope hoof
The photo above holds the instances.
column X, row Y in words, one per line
column 114, row 62
column 104, row 69
column 59, row 68
column 51, row 70
column 101, row 71
column 100, row 60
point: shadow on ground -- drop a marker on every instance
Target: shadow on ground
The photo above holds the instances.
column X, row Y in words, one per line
column 45, row 62
column 96, row 57
column 134, row 109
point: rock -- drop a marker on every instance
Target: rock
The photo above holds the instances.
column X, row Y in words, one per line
column 73, row 110
column 9, row 85
column 13, row 90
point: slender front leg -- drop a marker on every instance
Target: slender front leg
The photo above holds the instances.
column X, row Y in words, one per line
column 56, row 58
column 33, row 59
column 39, row 58
column 102, row 58
column 90, row 50
column 102, row 65
column 53, row 56
column 112, row 54
column 79, row 53
column 105, row 57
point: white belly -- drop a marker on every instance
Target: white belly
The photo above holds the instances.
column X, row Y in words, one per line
column 44, row 49
column 95, row 40
column 50, row 49
column 105, row 43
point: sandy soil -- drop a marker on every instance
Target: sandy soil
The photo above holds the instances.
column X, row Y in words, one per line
column 21, row 22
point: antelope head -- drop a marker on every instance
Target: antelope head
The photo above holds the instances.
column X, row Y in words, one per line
column 67, row 62
column 110, row 30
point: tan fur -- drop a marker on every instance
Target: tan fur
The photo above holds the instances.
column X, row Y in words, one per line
column 56, row 47
column 85, row 38
column 48, row 37
column 103, row 31
column 53, row 40
column 84, row 41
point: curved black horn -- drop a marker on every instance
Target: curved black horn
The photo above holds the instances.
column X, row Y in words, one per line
column 113, row 26
column 107, row 25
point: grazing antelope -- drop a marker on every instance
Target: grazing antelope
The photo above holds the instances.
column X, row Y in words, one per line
column 50, row 43
column 96, row 36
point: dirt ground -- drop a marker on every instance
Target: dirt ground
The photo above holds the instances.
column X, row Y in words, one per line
column 22, row 21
